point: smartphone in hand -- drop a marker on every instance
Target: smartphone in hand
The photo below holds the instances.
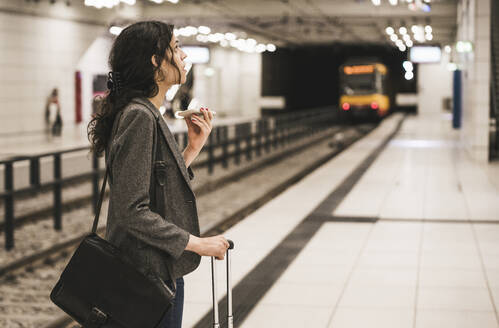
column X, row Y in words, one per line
column 189, row 112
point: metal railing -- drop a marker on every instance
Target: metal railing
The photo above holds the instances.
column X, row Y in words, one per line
column 225, row 143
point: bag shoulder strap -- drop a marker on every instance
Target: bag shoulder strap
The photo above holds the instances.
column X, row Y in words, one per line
column 99, row 204
column 103, row 188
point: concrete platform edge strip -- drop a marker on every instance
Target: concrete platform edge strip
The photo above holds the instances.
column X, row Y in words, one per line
column 255, row 284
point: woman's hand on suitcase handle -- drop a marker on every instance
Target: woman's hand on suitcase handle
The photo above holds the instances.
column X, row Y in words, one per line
column 209, row 246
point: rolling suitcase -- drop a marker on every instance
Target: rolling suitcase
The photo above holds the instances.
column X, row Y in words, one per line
column 230, row 319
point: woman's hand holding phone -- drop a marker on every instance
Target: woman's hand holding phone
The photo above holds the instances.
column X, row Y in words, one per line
column 198, row 128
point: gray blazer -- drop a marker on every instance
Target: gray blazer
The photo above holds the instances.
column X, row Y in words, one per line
column 152, row 208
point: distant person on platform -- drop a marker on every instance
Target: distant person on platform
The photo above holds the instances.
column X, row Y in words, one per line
column 53, row 119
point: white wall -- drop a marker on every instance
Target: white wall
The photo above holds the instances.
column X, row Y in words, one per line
column 434, row 84
column 37, row 55
column 40, row 52
column 234, row 88
column 93, row 62
column 474, row 26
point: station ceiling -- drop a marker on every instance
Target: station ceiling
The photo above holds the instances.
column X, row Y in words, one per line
column 299, row 22
column 282, row 22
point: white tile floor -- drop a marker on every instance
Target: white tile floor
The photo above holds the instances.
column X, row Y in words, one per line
column 442, row 287
column 390, row 273
column 423, row 168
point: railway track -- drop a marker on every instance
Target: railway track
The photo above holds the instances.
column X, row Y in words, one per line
column 26, row 283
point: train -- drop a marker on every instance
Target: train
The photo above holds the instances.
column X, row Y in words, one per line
column 363, row 90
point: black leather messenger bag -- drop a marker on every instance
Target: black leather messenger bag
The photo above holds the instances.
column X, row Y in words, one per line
column 99, row 288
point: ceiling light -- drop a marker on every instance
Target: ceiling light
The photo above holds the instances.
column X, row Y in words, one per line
column 251, row 42
column 230, row 36
column 429, row 37
column 399, row 43
column 173, row 1
column 246, row 47
column 260, row 48
column 406, row 37
column 376, row 2
column 101, row 3
column 204, row 29
column 271, row 47
column 239, row 43
column 448, row 49
column 191, row 30
column 409, row 43
column 428, row 29
column 393, row 2
column 219, row 37
column 115, row 30
column 408, row 66
column 202, row 38
column 394, row 37
column 402, row 30
column 389, row 30
column 409, row 75
column 402, row 48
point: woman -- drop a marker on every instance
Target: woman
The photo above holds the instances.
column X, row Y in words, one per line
column 53, row 120
column 152, row 214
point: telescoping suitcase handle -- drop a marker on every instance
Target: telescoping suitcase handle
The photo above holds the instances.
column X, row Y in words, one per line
column 230, row 319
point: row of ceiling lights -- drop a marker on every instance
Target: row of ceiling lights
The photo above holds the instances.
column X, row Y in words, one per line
column 203, row 34
column 423, row 5
column 107, row 3
column 111, row 3
column 404, row 41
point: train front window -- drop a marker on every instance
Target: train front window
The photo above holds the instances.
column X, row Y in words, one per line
column 359, row 83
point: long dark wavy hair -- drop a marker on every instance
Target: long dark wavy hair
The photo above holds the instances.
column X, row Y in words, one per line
column 130, row 58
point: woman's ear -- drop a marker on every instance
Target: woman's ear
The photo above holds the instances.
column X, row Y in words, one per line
column 153, row 60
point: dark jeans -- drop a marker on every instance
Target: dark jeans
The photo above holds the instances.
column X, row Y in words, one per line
column 173, row 318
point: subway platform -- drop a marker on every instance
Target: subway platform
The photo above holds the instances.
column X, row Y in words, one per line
column 399, row 230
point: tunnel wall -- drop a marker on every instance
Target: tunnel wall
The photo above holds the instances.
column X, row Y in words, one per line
column 309, row 76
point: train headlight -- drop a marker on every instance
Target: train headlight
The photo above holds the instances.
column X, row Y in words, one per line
column 346, row 106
